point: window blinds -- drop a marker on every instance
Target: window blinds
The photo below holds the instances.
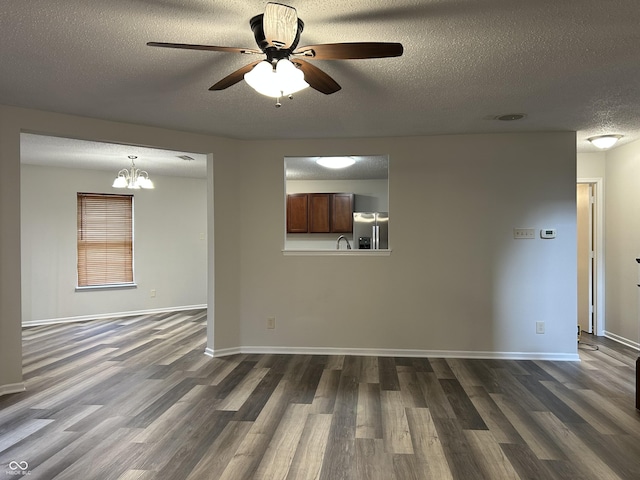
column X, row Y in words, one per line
column 105, row 239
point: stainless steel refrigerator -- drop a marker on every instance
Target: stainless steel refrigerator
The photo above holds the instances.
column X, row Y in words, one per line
column 371, row 230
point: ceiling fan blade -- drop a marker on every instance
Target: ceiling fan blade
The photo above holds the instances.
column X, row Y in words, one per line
column 234, row 77
column 351, row 51
column 316, row 78
column 213, row 48
column 280, row 24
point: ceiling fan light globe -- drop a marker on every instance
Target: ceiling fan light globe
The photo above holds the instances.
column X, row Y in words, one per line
column 284, row 81
column 290, row 78
column 260, row 78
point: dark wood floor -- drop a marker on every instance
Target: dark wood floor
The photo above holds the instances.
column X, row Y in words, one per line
column 136, row 398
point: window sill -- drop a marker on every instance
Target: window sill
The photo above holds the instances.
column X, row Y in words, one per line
column 337, row 253
column 115, row 286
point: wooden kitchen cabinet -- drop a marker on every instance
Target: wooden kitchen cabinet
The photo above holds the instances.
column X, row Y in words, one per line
column 320, row 213
column 297, row 213
column 342, row 213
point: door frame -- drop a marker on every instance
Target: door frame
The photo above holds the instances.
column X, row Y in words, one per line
column 598, row 274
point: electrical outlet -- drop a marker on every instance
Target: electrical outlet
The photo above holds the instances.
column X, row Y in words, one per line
column 271, row 323
column 153, row 292
column 524, row 233
column 539, row 327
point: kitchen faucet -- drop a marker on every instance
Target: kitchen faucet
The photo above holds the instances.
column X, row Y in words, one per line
column 345, row 239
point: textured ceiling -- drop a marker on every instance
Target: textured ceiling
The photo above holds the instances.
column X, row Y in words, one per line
column 566, row 64
column 71, row 153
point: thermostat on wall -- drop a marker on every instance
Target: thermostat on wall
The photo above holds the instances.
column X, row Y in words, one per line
column 548, row 233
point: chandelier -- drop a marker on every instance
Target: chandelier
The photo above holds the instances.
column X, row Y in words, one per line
column 133, row 177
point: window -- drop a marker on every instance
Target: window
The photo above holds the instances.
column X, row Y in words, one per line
column 105, row 239
column 365, row 179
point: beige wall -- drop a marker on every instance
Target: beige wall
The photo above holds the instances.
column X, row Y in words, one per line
column 10, row 325
column 456, row 282
column 622, row 233
column 591, row 165
column 619, row 168
column 170, row 247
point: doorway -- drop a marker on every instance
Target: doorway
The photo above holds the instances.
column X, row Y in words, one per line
column 589, row 255
column 54, row 169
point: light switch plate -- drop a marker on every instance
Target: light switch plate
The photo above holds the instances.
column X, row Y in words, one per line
column 520, row 233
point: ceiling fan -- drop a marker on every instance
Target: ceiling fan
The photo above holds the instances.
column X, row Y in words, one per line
column 285, row 69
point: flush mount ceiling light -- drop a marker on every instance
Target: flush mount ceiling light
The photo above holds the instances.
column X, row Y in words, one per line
column 335, row 162
column 604, row 141
column 133, row 177
column 281, row 80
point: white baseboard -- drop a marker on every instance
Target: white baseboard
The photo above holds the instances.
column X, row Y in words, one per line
column 383, row 352
column 622, row 340
column 102, row 316
column 224, row 352
column 12, row 388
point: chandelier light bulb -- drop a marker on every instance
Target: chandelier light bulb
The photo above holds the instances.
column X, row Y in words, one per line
column 120, row 182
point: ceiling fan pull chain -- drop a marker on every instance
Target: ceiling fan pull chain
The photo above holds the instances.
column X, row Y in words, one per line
column 278, row 104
